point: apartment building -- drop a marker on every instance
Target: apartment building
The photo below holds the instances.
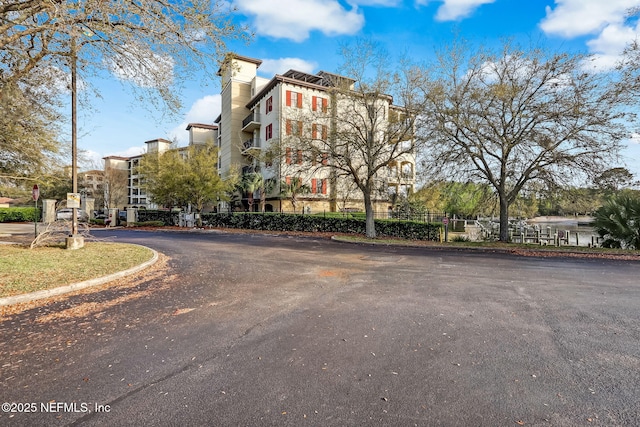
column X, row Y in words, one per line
column 269, row 126
column 91, row 185
column 124, row 186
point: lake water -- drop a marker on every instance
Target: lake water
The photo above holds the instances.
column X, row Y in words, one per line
column 580, row 232
column 577, row 227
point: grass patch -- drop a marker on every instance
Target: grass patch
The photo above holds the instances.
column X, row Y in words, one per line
column 24, row 270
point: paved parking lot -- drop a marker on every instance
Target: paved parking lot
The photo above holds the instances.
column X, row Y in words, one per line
column 271, row 330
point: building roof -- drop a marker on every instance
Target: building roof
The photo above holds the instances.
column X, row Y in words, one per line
column 321, row 81
column 115, row 158
column 288, row 77
column 231, row 56
column 158, row 140
column 202, row 126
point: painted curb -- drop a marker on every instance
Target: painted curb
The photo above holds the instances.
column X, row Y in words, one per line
column 15, row 299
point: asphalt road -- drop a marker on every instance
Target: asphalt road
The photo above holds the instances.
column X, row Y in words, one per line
column 242, row 330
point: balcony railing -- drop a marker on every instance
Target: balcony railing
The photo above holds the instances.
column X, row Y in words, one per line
column 251, row 144
column 251, row 122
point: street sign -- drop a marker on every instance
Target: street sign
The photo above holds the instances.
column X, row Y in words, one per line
column 35, row 193
column 73, row 200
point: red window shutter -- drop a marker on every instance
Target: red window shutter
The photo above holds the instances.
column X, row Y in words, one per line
column 288, row 127
column 324, row 186
column 288, row 155
column 325, row 158
column 324, row 105
column 324, row 133
column 299, row 155
column 314, row 131
column 299, row 127
column 299, row 100
column 314, row 103
column 288, row 98
column 288, row 180
column 313, row 185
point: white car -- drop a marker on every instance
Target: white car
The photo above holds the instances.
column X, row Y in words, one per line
column 67, row 213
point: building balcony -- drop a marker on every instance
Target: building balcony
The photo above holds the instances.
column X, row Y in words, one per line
column 402, row 177
column 251, row 122
column 251, row 146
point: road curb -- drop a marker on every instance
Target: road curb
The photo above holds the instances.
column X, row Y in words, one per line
column 33, row 296
column 534, row 251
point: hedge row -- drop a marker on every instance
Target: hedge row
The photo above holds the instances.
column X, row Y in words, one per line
column 165, row 217
column 311, row 223
column 19, row 214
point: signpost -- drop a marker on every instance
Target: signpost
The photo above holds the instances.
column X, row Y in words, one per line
column 35, row 193
column 445, row 221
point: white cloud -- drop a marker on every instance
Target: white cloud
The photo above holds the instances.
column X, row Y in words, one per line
column 281, row 65
column 453, row 10
column 295, row 19
column 204, row 110
column 608, row 46
column 573, row 18
column 607, row 20
column 385, row 3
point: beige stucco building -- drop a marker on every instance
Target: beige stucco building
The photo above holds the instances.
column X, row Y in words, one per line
column 269, row 126
column 124, row 187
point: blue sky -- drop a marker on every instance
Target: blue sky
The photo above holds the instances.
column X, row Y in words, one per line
column 306, row 35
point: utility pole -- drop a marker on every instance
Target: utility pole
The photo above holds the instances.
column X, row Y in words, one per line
column 74, row 132
column 74, row 241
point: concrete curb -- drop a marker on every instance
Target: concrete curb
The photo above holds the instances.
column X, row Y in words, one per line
column 535, row 251
column 15, row 299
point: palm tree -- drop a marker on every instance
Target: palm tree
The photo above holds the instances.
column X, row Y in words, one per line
column 293, row 189
column 266, row 187
column 618, row 222
column 250, row 183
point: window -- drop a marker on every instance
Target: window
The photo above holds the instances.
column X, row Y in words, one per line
column 319, row 132
column 268, row 132
column 294, row 99
column 269, row 105
column 318, row 186
column 319, row 104
column 294, row 127
column 297, row 181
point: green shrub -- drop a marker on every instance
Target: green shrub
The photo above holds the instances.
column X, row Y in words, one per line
column 165, row 217
column 312, row 223
column 96, row 221
column 618, row 222
column 19, row 214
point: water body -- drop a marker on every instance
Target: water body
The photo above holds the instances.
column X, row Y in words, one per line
column 576, row 226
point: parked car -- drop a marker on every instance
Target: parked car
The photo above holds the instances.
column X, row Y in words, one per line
column 67, row 213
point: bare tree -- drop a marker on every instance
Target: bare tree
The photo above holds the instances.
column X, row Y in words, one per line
column 154, row 44
column 368, row 124
column 115, row 187
column 514, row 116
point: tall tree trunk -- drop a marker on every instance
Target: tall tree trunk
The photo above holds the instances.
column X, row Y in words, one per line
column 370, row 227
column 504, row 218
